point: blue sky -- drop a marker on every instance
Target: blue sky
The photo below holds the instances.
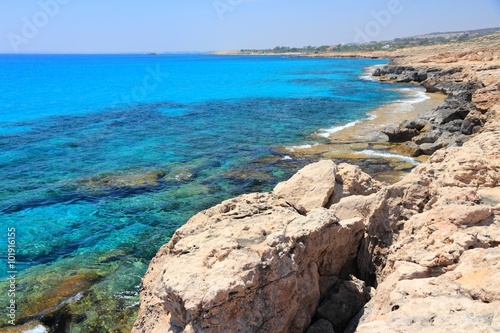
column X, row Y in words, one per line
column 118, row 26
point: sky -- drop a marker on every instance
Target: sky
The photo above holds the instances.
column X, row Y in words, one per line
column 131, row 26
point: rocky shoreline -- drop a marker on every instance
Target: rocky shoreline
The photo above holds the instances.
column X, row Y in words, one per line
column 448, row 125
column 333, row 250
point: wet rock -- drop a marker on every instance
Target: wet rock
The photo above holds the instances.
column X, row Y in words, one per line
column 407, row 76
column 107, row 182
column 31, row 327
column 429, row 148
column 408, row 148
column 467, row 127
column 445, row 115
column 400, row 134
column 447, row 139
column 422, row 75
column 46, row 296
column 428, row 137
column 453, row 126
column 417, row 123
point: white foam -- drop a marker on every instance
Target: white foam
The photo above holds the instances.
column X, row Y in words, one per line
column 75, row 298
column 286, row 158
column 293, row 148
column 389, row 155
column 328, row 131
column 414, row 96
column 418, row 96
column 367, row 74
column 38, row 329
column 183, row 176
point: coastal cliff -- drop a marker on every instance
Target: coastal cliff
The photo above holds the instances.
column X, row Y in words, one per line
column 333, row 250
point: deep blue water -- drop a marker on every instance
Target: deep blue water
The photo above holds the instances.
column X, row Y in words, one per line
column 103, row 157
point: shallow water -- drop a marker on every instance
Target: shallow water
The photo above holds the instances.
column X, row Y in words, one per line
column 103, row 157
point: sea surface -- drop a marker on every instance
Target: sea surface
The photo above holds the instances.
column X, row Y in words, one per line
column 103, row 157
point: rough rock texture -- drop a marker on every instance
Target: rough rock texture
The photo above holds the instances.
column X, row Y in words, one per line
column 309, row 188
column 436, row 125
column 343, row 301
column 441, row 267
column 400, row 134
column 250, row 264
column 351, row 180
column 467, row 75
column 280, row 261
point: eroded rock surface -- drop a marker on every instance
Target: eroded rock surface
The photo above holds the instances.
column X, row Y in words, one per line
column 441, row 270
column 250, row 264
column 424, row 252
column 309, row 188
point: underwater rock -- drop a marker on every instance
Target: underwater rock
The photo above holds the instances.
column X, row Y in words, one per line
column 122, row 181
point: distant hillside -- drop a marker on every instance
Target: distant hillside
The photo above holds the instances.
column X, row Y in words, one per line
column 435, row 38
column 463, row 35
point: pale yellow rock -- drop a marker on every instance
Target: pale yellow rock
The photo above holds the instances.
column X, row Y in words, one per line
column 351, row 180
column 250, row 264
column 309, row 188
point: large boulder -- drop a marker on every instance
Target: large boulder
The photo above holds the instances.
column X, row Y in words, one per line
column 429, row 148
column 399, row 133
column 428, row 137
column 408, row 148
column 351, row 180
column 251, row 264
column 309, row 188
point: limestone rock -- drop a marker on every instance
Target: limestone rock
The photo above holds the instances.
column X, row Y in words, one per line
column 242, row 266
column 453, row 126
column 429, row 148
column 309, row 188
column 440, row 272
column 351, row 180
column 408, row 148
column 428, row 137
column 486, row 97
column 400, row 134
column 258, row 263
column 354, row 206
column 417, row 123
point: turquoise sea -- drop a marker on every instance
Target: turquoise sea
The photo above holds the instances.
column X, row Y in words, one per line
column 102, row 157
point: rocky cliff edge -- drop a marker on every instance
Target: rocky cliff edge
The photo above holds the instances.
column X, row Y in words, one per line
column 332, row 250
